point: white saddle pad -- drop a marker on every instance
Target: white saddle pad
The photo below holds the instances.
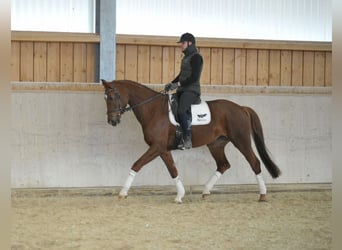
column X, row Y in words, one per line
column 200, row 114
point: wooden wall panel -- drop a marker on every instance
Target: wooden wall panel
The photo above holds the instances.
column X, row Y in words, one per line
column 156, row 64
column 147, row 59
column 228, row 67
column 308, row 71
column 297, row 68
column 67, row 62
column 80, row 62
column 26, row 61
column 168, row 73
column 216, row 66
column 252, row 67
column 53, row 62
column 240, row 67
column 120, row 62
column 131, row 62
column 178, row 59
column 15, row 61
column 319, row 69
column 285, row 67
column 328, row 69
column 263, row 66
column 39, row 62
column 143, row 64
column 91, row 70
column 206, row 71
column 274, row 70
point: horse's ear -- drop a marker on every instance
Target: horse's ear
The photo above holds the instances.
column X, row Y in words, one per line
column 105, row 83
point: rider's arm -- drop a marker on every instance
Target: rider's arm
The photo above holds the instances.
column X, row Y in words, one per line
column 176, row 79
column 196, row 65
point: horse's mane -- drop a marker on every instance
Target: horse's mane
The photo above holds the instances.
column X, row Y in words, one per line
column 135, row 84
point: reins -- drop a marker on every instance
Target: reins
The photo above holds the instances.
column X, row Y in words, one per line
column 130, row 108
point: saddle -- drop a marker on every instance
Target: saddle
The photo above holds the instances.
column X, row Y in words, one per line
column 200, row 115
column 200, row 112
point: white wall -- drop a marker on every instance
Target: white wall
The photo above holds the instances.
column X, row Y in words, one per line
column 61, row 139
column 306, row 20
column 53, row 15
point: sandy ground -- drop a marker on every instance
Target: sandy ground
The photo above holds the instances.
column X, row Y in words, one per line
column 289, row 220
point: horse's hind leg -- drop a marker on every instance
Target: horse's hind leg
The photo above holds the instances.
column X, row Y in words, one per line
column 217, row 151
column 243, row 144
column 170, row 164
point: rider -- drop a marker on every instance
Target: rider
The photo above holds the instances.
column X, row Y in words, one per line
column 188, row 84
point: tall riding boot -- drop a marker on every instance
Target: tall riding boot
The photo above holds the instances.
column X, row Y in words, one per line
column 185, row 122
column 187, row 139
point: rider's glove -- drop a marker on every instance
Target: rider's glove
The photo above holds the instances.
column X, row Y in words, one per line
column 171, row 86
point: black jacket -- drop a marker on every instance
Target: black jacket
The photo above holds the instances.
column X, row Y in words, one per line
column 191, row 69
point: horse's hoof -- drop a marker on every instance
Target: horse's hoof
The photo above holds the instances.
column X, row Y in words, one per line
column 262, row 198
column 205, row 196
column 178, row 201
column 122, row 197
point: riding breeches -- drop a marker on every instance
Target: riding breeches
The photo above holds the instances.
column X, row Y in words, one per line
column 185, row 99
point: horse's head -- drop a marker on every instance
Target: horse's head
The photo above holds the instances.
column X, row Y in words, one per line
column 115, row 101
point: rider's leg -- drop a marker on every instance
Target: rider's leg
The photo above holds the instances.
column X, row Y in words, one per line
column 184, row 115
column 186, row 129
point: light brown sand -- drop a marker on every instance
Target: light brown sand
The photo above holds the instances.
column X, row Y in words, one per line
column 289, row 220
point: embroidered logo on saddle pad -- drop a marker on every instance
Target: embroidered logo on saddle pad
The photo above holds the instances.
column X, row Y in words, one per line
column 200, row 114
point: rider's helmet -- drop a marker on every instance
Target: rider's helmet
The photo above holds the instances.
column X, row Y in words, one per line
column 187, row 37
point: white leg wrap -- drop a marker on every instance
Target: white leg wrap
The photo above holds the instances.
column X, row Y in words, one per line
column 180, row 190
column 211, row 182
column 261, row 184
column 128, row 183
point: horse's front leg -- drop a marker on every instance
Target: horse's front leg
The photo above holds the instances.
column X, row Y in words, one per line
column 170, row 164
column 148, row 156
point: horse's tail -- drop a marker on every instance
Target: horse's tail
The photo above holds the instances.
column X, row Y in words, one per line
column 259, row 141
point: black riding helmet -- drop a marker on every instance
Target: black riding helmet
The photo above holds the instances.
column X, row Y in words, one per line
column 187, row 37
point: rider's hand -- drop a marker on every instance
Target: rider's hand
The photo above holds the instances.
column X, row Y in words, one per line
column 171, row 86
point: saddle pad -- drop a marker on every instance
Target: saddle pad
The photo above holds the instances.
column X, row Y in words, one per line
column 200, row 114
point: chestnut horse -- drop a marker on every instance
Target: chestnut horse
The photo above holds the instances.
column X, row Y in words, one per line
column 230, row 123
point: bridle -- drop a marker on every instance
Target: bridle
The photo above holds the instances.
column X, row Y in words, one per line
column 122, row 110
column 117, row 101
